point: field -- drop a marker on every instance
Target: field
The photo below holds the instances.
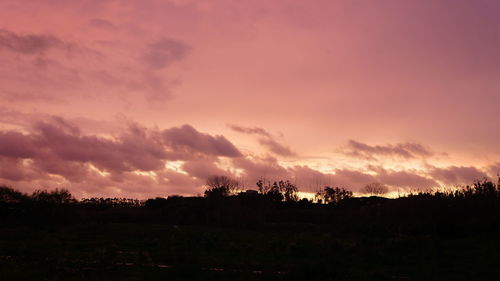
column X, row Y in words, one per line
column 426, row 236
column 147, row 251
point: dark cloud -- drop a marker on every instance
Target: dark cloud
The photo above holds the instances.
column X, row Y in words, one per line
column 17, row 145
column 164, row 52
column 74, row 172
column 29, row 43
column 276, row 147
column 188, row 139
column 136, row 149
column 134, row 163
column 405, row 150
column 455, row 175
column 249, row 130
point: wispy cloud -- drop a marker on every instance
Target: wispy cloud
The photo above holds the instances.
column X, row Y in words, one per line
column 164, row 52
column 30, row 44
column 266, row 140
column 276, row 147
column 406, row 150
column 249, row 130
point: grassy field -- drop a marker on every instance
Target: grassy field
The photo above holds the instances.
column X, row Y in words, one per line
column 135, row 251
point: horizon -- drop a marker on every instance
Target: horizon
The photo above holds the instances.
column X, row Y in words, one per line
column 139, row 100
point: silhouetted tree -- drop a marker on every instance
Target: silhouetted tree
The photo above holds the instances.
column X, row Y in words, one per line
column 156, row 203
column 221, row 186
column 332, row 195
column 263, row 187
column 10, row 195
column 57, row 196
column 279, row 191
column 375, row 188
column 270, row 191
column 288, row 190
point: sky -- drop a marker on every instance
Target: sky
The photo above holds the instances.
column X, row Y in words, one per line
column 150, row 98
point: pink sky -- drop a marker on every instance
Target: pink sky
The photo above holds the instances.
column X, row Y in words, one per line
column 148, row 98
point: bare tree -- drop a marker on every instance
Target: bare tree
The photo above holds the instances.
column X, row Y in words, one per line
column 375, row 188
column 220, row 186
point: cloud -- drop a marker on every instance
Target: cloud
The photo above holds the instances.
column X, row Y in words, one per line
column 16, row 145
column 178, row 183
column 14, row 169
column 29, row 44
column 255, row 168
column 309, row 179
column 135, row 149
column 14, row 118
column 188, row 139
column 164, row 52
column 101, row 23
column 266, row 139
column 494, row 169
column 355, row 180
column 74, row 172
column 48, row 69
column 457, row 175
column 406, row 150
column 57, row 153
column 351, row 179
column 276, row 147
column 249, row 130
column 405, row 179
column 203, row 168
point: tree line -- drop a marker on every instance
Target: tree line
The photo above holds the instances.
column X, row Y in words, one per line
column 277, row 202
column 219, row 186
column 278, row 191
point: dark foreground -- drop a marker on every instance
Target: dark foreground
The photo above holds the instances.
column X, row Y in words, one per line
column 422, row 237
column 133, row 251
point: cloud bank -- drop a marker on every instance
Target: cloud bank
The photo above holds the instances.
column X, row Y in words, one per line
column 144, row 162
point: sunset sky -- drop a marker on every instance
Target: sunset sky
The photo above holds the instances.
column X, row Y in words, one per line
column 149, row 98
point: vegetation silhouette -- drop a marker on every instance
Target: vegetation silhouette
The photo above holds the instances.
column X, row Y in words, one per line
column 264, row 234
column 375, row 188
column 331, row 195
column 279, row 190
column 221, row 186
